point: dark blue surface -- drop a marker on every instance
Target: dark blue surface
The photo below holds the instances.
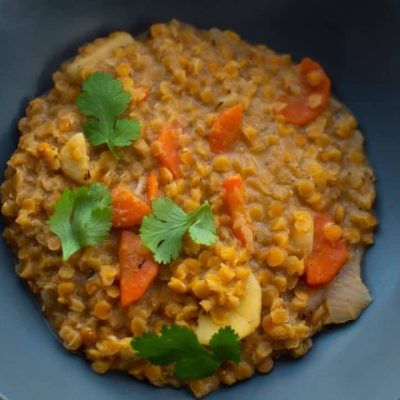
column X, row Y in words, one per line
column 358, row 44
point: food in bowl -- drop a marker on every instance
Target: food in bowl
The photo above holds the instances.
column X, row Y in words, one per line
column 189, row 207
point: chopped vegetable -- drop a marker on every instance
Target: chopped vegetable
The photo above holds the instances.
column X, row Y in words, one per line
column 82, row 218
column 137, row 267
column 128, row 210
column 313, row 99
column 74, row 159
column 178, row 344
column 327, row 257
column 226, row 129
column 152, row 186
column 317, row 297
column 244, row 319
column 235, row 200
column 97, row 54
column 163, row 230
column 347, row 295
column 168, row 155
column 104, row 101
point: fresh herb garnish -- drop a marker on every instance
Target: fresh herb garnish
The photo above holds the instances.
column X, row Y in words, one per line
column 104, row 101
column 163, row 230
column 82, row 218
column 180, row 345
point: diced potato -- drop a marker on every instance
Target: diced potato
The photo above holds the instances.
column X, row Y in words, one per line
column 75, row 159
column 244, row 319
column 102, row 48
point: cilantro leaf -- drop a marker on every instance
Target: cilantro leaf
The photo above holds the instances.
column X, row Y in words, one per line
column 174, row 342
column 225, row 344
column 60, row 223
column 82, row 218
column 163, row 230
column 126, row 131
column 177, row 344
column 104, row 101
column 203, row 230
column 196, row 368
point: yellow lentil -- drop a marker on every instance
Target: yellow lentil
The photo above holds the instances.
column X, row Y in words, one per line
column 178, row 75
column 332, row 232
column 275, row 257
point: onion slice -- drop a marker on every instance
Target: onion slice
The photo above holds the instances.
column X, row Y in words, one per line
column 347, row 296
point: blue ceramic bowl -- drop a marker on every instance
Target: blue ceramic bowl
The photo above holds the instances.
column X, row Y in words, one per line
column 357, row 42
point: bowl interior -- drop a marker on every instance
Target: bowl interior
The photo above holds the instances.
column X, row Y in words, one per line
column 354, row 40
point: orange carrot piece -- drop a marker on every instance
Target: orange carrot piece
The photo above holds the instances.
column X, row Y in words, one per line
column 327, row 257
column 169, row 151
column 138, row 269
column 226, row 129
column 235, row 201
column 152, row 186
column 127, row 209
column 314, row 82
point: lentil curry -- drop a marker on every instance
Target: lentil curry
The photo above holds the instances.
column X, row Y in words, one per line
column 279, row 160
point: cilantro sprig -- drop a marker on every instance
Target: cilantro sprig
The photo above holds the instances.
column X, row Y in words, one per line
column 82, row 218
column 104, row 101
column 180, row 345
column 163, row 230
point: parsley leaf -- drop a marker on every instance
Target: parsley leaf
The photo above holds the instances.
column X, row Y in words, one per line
column 180, row 345
column 163, row 230
column 82, row 218
column 104, row 101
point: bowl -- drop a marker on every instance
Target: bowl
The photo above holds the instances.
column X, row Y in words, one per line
column 355, row 42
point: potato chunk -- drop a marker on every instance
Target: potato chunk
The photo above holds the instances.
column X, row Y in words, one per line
column 95, row 53
column 244, row 319
column 75, row 159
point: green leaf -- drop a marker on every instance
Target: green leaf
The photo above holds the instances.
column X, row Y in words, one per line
column 96, row 132
column 196, row 368
column 82, row 218
column 103, row 96
column 103, row 101
column 163, row 230
column 203, row 230
column 174, row 342
column 61, row 226
column 177, row 344
column 126, row 131
column 225, row 345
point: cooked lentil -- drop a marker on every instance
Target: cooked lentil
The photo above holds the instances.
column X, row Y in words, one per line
column 179, row 73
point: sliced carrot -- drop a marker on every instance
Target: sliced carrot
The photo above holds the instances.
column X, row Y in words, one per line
column 169, row 149
column 127, row 209
column 226, row 129
column 152, row 186
column 327, row 257
column 315, row 87
column 235, row 201
column 137, row 268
